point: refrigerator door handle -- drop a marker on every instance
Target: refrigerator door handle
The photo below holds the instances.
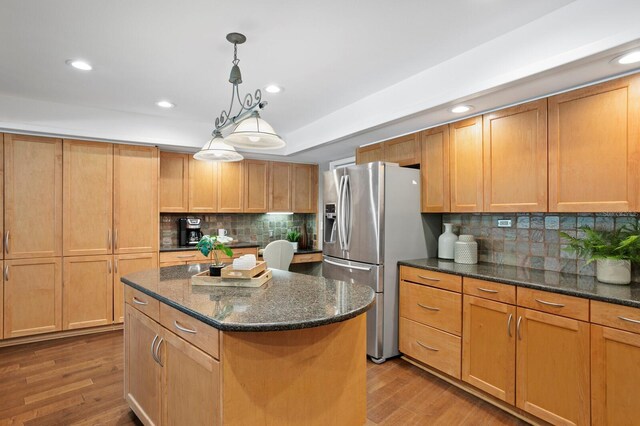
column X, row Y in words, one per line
column 346, row 201
column 359, row 268
column 340, row 213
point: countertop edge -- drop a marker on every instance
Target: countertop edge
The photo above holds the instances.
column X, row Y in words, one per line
column 250, row 327
column 535, row 286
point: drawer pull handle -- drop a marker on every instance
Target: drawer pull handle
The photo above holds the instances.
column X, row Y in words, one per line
column 428, row 278
column 518, row 328
column 629, row 320
column 157, row 357
column 181, row 328
column 139, row 302
column 427, row 347
column 555, row 305
column 185, row 256
column 428, row 307
column 153, row 347
column 509, row 324
column 487, row 290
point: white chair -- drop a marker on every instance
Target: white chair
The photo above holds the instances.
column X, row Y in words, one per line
column 278, row 254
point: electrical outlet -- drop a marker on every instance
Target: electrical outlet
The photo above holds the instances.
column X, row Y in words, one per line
column 270, row 232
column 504, row 223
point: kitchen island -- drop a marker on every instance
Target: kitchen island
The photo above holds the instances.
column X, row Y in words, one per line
column 290, row 352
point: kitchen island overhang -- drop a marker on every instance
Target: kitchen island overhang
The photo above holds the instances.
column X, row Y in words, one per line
column 290, row 352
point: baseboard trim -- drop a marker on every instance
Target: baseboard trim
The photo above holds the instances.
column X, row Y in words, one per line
column 514, row 411
column 59, row 335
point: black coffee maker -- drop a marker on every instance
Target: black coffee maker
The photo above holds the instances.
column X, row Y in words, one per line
column 189, row 231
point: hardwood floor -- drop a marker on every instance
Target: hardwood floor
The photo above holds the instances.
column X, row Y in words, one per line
column 79, row 381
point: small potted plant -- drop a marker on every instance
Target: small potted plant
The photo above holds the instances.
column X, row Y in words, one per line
column 293, row 237
column 208, row 244
column 613, row 251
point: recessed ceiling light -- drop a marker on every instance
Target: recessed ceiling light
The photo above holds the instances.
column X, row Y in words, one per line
column 272, row 88
column 629, row 58
column 78, row 64
column 165, row 104
column 461, row 109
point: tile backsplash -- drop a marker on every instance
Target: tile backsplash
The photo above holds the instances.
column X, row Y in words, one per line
column 245, row 227
column 533, row 239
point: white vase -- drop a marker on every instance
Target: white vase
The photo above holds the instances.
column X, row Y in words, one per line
column 613, row 271
column 295, row 245
column 466, row 250
column 446, row 242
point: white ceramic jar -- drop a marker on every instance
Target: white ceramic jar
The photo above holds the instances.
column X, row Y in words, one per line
column 466, row 250
column 613, row 271
column 446, row 242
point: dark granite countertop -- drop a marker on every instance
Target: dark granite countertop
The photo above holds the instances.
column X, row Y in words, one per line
column 557, row 282
column 289, row 301
column 232, row 246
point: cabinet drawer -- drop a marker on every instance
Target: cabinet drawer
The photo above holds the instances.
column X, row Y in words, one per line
column 435, row 279
column 237, row 252
column 162, row 264
column 190, row 329
column 433, row 347
column 307, row 258
column 559, row 304
column 490, row 290
column 617, row 316
column 431, row 306
column 182, row 256
column 142, row 302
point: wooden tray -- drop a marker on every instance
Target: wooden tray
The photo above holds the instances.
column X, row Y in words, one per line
column 203, row 278
column 243, row 274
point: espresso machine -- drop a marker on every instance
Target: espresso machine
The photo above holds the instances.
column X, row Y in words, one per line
column 189, row 231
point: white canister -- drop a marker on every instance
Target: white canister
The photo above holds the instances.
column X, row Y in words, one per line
column 466, row 250
column 446, row 242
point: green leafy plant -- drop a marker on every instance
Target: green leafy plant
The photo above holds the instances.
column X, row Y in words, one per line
column 208, row 244
column 620, row 244
column 293, row 236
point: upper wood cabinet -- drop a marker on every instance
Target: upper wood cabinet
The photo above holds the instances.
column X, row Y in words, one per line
column 256, row 186
column 135, row 214
column 32, row 296
column 33, row 196
column 370, row 153
column 231, row 187
column 87, row 198
column 594, row 151
column 515, row 159
column 174, row 182
column 434, row 170
column 304, row 188
column 465, row 165
column 280, row 187
column 203, row 186
column 87, row 297
column 125, row 264
column 404, row 150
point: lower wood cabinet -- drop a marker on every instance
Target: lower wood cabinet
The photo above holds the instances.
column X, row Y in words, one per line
column 87, row 294
column 32, row 296
column 126, row 264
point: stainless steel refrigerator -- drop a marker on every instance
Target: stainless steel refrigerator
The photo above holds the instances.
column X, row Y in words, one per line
column 371, row 220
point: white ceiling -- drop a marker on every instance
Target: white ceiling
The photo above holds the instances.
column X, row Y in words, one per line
column 348, row 67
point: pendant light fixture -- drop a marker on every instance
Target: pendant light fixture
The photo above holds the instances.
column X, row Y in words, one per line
column 251, row 131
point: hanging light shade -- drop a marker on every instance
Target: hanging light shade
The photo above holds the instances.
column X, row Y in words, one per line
column 254, row 133
column 218, row 150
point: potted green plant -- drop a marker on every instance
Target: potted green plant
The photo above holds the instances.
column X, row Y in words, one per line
column 613, row 251
column 293, row 237
column 208, row 244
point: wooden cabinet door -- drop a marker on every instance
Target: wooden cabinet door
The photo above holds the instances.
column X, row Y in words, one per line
column 135, row 214
column 143, row 375
column 126, row 264
column 32, row 296
column 465, row 165
column 434, row 170
column 304, row 188
column 174, row 182
column 594, row 148
column 552, row 367
column 515, row 159
column 230, row 187
column 404, row 150
column 33, row 196
column 370, row 153
column 190, row 384
column 256, row 186
column 280, row 187
column 87, row 198
column 1, row 197
column 87, row 291
column 615, row 376
column 489, row 347
column 203, row 186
